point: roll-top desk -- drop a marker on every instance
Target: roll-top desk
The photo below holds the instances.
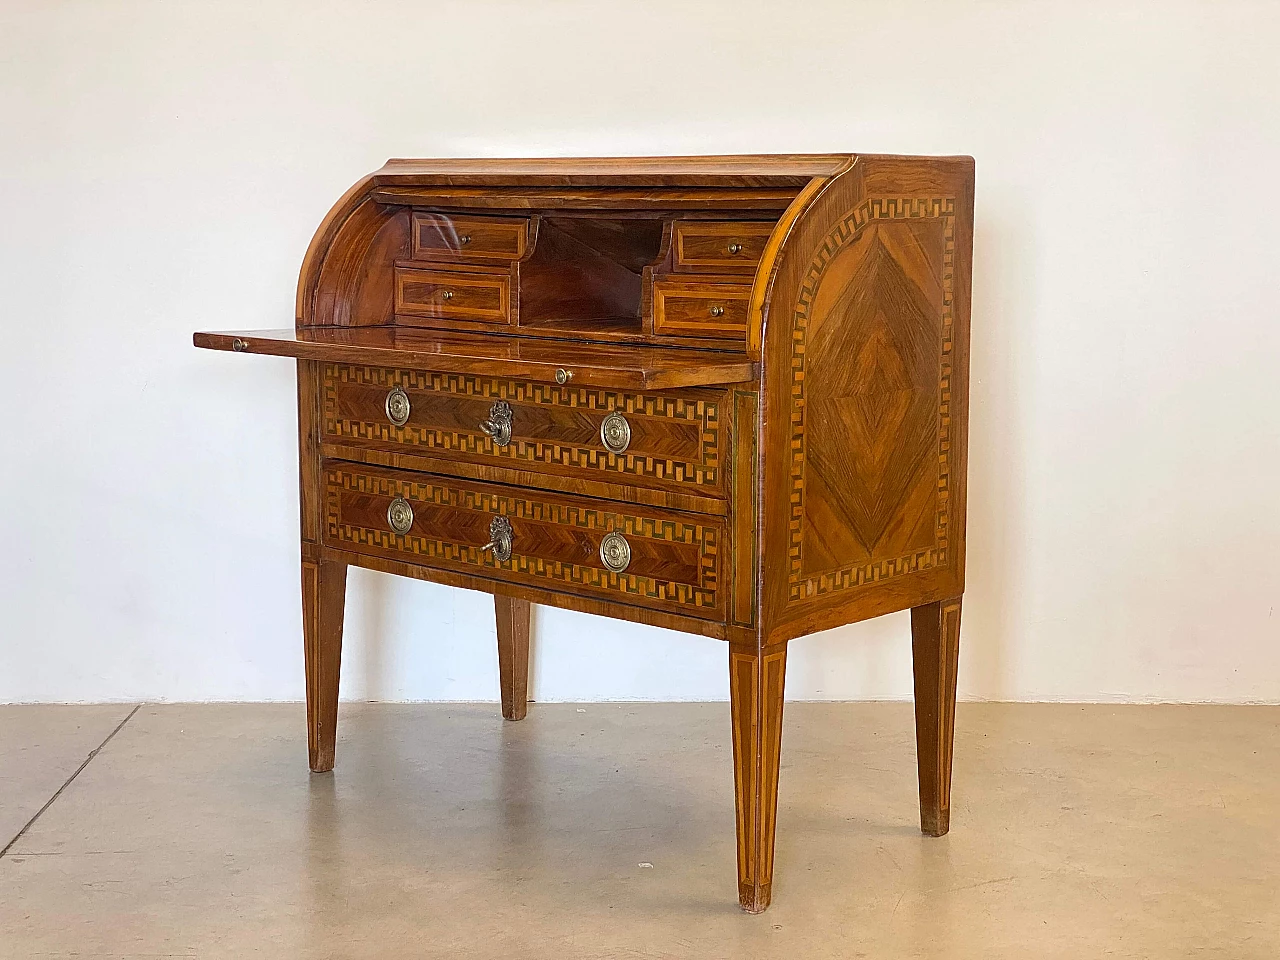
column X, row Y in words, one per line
column 723, row 395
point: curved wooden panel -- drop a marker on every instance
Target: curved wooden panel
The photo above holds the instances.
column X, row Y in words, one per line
column 767, row 269
column 866, row 357
column 355, row 287
column 319, row 246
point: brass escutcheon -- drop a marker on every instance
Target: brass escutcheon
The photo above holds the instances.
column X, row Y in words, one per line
column 400, row 515
column 498, row 427
column 615, row 433
column 500, row 539
column 397, row 406
column 615, row 552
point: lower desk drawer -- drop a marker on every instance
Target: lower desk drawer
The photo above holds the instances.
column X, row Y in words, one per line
column 672, row 441
column 643, row 556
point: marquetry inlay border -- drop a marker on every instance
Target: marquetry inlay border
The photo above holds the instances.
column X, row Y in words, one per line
column 704, row 595
column 870, row 210
column 702, row 411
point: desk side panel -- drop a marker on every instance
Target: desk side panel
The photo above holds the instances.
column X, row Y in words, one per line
column 865, row 391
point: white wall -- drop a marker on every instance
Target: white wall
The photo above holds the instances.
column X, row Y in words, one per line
column 164, row 165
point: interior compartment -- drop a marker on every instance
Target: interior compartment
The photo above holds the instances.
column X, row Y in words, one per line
column 585, row 275
column 581, row 275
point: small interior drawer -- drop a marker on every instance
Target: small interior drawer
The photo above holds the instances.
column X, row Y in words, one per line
column 700, row 308
column 485, row 297
column 717, row 246
column 439, row 236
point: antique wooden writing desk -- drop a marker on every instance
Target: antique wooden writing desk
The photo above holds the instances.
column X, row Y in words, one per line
column 725, row 395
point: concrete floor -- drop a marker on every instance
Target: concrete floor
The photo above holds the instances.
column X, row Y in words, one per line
column 607, row 831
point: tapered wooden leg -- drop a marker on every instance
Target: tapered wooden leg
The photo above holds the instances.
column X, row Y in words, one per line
column 935, row 650
column 756, row 676
column 513, row 655
column 324, row 589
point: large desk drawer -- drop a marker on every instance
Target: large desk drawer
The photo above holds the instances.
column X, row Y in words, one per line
column 673, row 440
column 645, row 556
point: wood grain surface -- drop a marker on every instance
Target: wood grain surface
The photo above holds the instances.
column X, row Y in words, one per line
column 513, row 654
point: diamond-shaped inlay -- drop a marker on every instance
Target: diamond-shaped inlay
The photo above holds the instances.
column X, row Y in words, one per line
column 870, row 385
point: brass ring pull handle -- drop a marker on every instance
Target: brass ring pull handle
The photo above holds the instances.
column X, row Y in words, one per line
column 735, row 248
column 397, row 406
column 464, row 239
column 400, row 515
column 563, row 375
column 615, row 433
column 717, row 311
column 615, row 552
column 500, row 539
column 446, row 295
column 498, row 427
column 239, row 346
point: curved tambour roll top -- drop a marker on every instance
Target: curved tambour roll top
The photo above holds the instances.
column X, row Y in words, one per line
column 648, row 250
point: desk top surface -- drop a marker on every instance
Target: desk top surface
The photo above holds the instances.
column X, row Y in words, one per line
column 589, row 364
column 724, row 171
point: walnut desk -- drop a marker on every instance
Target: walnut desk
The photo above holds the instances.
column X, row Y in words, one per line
column 723, row 395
